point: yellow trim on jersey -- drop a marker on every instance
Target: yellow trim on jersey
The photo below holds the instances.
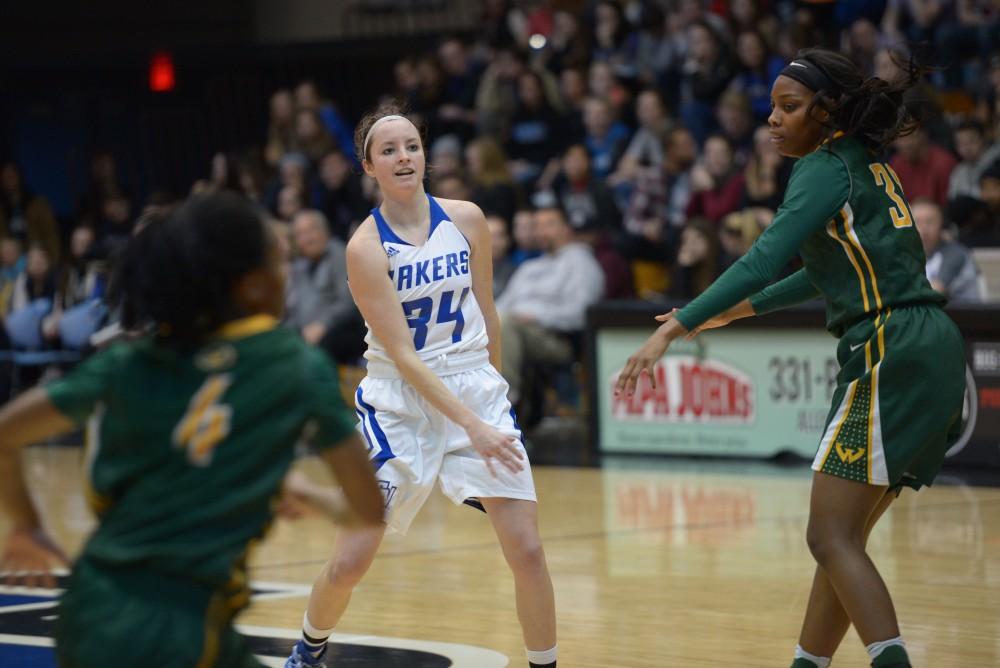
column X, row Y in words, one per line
column 99, row 503
column 254, row 324
column 880, row 337
column 840, row 425
column 215, row 620
column 873, row 389
column 832, row 231
column 852, row 237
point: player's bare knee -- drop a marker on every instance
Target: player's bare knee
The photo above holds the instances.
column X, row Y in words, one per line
column 527, row 556
column 346, row 570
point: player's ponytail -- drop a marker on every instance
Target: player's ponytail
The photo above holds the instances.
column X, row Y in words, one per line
column 868, row 108
column 176, row 275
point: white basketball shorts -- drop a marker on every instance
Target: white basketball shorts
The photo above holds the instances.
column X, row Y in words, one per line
column 413, row 445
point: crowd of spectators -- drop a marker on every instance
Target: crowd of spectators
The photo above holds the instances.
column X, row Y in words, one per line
column 618, row 148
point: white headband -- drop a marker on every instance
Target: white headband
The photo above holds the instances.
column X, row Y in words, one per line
column 391, row 117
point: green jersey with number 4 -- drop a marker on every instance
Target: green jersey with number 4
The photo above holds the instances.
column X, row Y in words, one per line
column 187, row 450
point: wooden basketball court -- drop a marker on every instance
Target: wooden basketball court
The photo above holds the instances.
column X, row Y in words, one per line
column 656, row 563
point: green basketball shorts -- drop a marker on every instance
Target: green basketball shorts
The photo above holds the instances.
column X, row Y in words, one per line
column 898, row 402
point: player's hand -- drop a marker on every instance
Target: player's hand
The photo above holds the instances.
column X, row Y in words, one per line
column 28, row 558
column 494, row 446
column 293, row 503
column 645, row 359
column 314, row 332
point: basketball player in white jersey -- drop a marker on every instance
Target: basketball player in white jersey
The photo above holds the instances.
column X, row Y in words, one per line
column 433, row 407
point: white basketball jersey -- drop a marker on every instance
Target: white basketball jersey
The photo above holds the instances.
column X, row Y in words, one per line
column 434, row 286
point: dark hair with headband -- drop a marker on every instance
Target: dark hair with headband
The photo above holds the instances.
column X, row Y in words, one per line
column 868, row 108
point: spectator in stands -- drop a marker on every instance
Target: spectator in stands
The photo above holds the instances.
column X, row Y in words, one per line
column 923, row 167
column 39, row 280
column 586, row 201
column 429, row 94
column 308, row 96
column 611, row 41
column 224, row 174
column 977, row 225
column 736, row 124
column 976, row 157
column 913, row 22
column 319, row 300
column 104, row 185
column 291, row 200
column 658, row 49
column 407, row 81
column 339, row 195
column 766, row 173
column 12, row 263
column 527, row 245
column 86, row 272
column 25, row 215
column 573, row 93
column 606, row 138
column 680, row 157
column 503, row 264
column 603, row 84
column 646, row 147
column 446, row 157
column 536, row 136
column 861, row 43
column 567, row 47
column 492, row 185
column 972, row 30
column 280, row 126
column 989, row 188
column 738, row 232
column 115, row 225
column 705, row 74
column 545, row 302
column 496, row 98
column 716, row 182
column 457, row 113
column 758, row 69
column 451, row 187
column 293, row 172
column 697, row 262
column 950, row 267
column 311, row 136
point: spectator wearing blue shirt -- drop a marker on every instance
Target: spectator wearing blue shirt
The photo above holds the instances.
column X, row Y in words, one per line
column 606, row 138
column 757, row 71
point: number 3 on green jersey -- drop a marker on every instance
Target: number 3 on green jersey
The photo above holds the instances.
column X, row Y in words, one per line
column 885, row 176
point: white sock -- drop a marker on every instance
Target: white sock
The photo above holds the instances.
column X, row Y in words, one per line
column 315, row 634
column 877, row 648
column 543, row 658
column 820, row 661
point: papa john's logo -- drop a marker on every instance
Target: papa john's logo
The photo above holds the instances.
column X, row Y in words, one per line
column 688, row 389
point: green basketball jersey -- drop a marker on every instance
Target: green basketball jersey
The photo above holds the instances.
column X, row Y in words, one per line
column 845, row 214
column 187, row 450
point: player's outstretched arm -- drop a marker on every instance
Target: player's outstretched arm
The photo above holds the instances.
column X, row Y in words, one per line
column 28, row 553
column 743, row 309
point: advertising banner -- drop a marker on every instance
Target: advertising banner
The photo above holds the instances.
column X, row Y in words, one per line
column 750, row 393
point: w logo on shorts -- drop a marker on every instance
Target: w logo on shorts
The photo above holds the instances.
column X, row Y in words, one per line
column 849, row 455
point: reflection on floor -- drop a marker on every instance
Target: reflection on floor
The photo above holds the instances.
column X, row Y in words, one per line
column 656, row 563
